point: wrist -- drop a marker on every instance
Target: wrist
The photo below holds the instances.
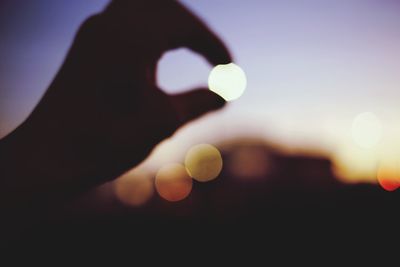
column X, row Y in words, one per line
column 16, row 176
column 23, row 195
column 27, row 165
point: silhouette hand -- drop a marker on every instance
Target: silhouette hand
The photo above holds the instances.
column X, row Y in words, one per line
column 104, row 112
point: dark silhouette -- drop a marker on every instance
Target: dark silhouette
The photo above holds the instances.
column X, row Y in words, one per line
column 104, row 112
column 297, row 201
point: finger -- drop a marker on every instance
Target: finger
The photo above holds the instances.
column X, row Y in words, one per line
column 193, row 104
column 192, row 33
column 173, row 26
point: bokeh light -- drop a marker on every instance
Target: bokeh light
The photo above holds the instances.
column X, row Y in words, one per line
column 388, row 174
column 366, row 130
column 353, row 164
column 134, row 188
column 203, row 162
column 173, row 183
column 229, row 81
column 249, row 163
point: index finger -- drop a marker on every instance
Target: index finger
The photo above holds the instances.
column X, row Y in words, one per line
column 191, row 32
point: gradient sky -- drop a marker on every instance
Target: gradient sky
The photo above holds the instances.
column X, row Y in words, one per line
column 312, row 66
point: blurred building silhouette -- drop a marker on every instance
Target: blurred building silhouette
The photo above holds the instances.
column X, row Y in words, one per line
column 271, row 194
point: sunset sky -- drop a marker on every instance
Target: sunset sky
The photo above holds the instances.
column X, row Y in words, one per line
column 312, row 67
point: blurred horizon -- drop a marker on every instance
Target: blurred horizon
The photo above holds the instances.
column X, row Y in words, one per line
column 313, row 68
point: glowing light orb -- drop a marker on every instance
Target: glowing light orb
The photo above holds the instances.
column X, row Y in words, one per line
column 173, row 183
column 366, row 130
column 389, row 175
column 388, row 184
column 353, row 164
column 249, row 163
column 134, row 188
column 229, row 81
column 203, row 162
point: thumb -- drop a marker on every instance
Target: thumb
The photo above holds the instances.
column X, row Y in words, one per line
column 193, row 104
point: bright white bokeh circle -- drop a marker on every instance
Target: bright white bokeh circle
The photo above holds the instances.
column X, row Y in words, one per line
column 229, row 81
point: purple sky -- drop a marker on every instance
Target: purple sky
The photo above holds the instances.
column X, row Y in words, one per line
column 311, row 65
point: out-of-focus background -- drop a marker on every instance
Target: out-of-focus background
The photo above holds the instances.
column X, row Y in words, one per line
column 320, row 112
column 312, row 67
